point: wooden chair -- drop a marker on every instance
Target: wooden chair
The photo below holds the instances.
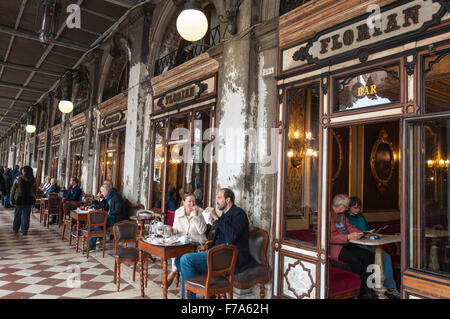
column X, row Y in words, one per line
column 43, row 206
column 67, row 207
column 96, row 218
column 53, row 208
column 36, row 208
column 221, row 261
column 125, row 232
column 259, row 273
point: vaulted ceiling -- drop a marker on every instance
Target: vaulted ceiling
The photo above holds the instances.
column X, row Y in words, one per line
column 29, row 68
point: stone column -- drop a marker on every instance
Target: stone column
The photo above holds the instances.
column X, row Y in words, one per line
column 134, row 178
column 233, row 109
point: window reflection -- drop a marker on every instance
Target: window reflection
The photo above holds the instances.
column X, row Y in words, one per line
column 302, row 165
column 437, row 83
column 377, row 87
column 431, row 244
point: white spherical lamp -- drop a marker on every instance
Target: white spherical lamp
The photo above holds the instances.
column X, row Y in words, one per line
column 65, row 106
column 30, row 128
column 192, row 23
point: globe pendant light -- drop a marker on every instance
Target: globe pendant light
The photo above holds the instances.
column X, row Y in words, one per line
column 192, row 23
column 66, row 105
column 30, row 128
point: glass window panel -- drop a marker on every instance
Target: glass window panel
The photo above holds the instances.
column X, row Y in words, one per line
column 376, row 87
column 437, row 83
column 302, row 165
column 201, row 124
column 195, row 175
column 179, row 123
column 430, row 240
column 158, row 164
column 175, row 176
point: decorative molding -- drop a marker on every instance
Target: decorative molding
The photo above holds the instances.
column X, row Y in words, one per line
column 410, row 65
column 113, row 119
column 198, row 68
column 382, row 140
column 77, row 120
column 297, row 277
column 325, row 121
column 344, row 30
column 276, row 246
column 116, row 103
column 337, row 137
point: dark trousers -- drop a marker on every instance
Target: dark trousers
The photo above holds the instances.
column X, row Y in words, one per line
column 109, row 223
column 22, row 218
column 358, row 260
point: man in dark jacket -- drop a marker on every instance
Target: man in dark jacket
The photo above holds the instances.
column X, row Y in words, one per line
column 230, row 228
column 114, row 206
column 15, row 173
column 74, row 191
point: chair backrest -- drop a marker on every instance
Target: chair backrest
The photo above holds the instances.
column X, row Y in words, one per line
column 221, row 261
column 68, row 206
column 133, row 210
column 53, row 195
column 125, row 231
column 39, row 193
column 257, row 242
column 97, row 218
column 54, row 204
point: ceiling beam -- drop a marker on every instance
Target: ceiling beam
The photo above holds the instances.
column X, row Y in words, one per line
column 111, row 19
column 123, row 3
column 33, row 36
column 9, row 99
column 29, row 68
column 19, row 87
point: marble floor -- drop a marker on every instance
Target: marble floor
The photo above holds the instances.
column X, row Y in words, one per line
column 42, row 266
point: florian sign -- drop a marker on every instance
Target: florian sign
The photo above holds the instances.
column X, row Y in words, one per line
column 391, row 24
column 185, row 94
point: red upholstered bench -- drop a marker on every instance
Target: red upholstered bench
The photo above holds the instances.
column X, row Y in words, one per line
column 170, row 217
column 343, row 284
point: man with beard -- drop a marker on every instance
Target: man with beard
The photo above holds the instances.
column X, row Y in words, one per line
column 230, row 228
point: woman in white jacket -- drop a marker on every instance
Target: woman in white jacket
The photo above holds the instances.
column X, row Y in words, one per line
column 188, row 221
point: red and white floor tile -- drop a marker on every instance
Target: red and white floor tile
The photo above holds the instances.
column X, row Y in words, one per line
column 42, row 266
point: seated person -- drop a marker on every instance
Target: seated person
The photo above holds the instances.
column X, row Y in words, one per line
column 54, row 188
column 357, row 219
column 189, row 222
column 74, row 191
column 198, row 193
column 172, row 203
column 46, row 184
column 101, row 203
column 114, row 207
column 232, row 228
column 359, row 259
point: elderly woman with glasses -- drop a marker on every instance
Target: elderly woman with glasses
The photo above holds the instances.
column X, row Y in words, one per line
column 342, row 232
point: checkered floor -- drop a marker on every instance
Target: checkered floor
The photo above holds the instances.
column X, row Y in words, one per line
column 42, row 266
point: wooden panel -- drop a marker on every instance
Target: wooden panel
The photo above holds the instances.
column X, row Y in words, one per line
column 377, row 196
column 340, row 161
column 427, row 287
column 305, row 21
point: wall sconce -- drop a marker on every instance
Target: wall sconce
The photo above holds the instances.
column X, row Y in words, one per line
column 300, row 147
column 438, row 164
column 48, row 10
column 192, row 23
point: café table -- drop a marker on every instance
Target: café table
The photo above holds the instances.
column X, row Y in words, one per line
column 378, row 244
column 435, row 234
column 141, row 219
column 80, row 216
column 164, row 252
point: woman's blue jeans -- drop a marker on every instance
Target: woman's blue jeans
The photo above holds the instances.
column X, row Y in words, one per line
column 191, row 265
column 22, row 218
